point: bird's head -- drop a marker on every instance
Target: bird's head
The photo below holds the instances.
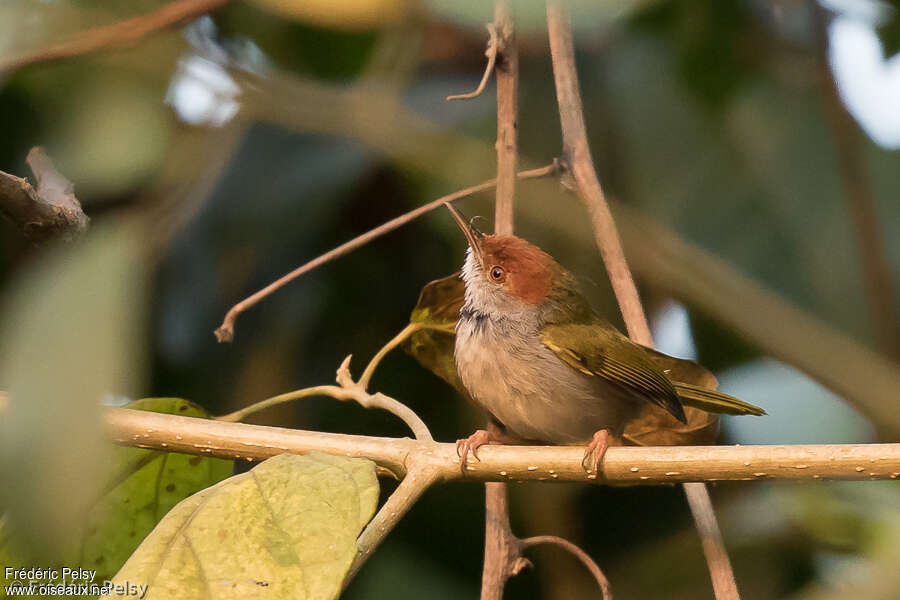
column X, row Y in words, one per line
column 504, row 273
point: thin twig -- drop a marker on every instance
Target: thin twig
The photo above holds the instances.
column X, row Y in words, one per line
column 396, row 341
column 117, row 34
column 580, row 554
column 347, row 389
column 491, row 53
column 225, row 332
column 507, row 118
column 502, row 555
column 577, row 154
column 858, row 195
column 647, row 465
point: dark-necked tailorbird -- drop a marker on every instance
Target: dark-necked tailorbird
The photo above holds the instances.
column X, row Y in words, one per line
column 532, row 353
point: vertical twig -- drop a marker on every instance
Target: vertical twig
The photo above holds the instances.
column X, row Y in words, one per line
column 507, row 73
column 577, row 158
column 501, row 549
column 858, row 195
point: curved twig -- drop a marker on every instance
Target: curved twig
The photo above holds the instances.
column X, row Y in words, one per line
column 396, row 341
column 491, row 53
column 225, row 332
column 580, row 554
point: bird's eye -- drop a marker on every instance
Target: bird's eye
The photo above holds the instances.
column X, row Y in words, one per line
column 498, row 273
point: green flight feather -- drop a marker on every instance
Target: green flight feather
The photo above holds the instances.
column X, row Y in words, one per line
column 714, row 402
column 601, row 351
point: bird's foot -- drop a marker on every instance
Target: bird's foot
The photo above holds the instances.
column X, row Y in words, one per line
column 595, row 451
column 494, row 434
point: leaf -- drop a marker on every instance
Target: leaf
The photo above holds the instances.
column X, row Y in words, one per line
column 145, row 486
column 286, row 529
column 439, row 304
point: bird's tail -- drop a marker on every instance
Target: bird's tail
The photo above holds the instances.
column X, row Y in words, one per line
column 714, row 402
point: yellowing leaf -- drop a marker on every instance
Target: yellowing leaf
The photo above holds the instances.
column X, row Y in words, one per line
column 286, row 529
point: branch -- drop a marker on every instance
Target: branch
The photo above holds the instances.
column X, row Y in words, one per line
column 507, row 117
column 51, row 211
column 419, row 478
column 225, row 332
column 858, row 195
column 577, row 153
column 117, row 34
column 629, row 464
column 578, row 161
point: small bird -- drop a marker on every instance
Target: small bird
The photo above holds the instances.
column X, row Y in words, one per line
column 532, row 353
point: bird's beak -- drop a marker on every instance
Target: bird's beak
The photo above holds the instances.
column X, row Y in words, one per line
column 473, row 236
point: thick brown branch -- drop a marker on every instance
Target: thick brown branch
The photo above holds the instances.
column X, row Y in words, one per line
column 225, row 332
column 49, row 212
column 631, row 464
column 117, row 34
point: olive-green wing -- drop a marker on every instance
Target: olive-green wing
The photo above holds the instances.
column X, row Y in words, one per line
column 603, row 352
column 715, row 402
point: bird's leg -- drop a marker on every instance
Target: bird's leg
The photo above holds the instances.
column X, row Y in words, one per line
column 494, row 434
column 595, row 451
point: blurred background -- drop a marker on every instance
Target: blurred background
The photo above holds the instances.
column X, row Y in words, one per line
column 750, row 148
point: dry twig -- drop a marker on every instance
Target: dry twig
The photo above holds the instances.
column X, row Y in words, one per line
column 491, row 53
column 580, row 554
column 225, row 332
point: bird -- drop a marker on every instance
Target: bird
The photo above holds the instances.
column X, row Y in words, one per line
column 531, row 352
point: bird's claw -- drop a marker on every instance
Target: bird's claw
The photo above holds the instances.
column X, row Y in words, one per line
column 471, row 444
column 595, row 451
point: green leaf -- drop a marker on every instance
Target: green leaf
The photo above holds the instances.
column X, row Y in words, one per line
column 286, row 529
column 145, row 486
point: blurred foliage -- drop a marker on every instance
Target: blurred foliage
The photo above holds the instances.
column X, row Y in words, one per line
column 705, row 115
column 142, row 486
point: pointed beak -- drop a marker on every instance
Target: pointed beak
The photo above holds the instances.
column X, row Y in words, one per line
column 473, row 236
